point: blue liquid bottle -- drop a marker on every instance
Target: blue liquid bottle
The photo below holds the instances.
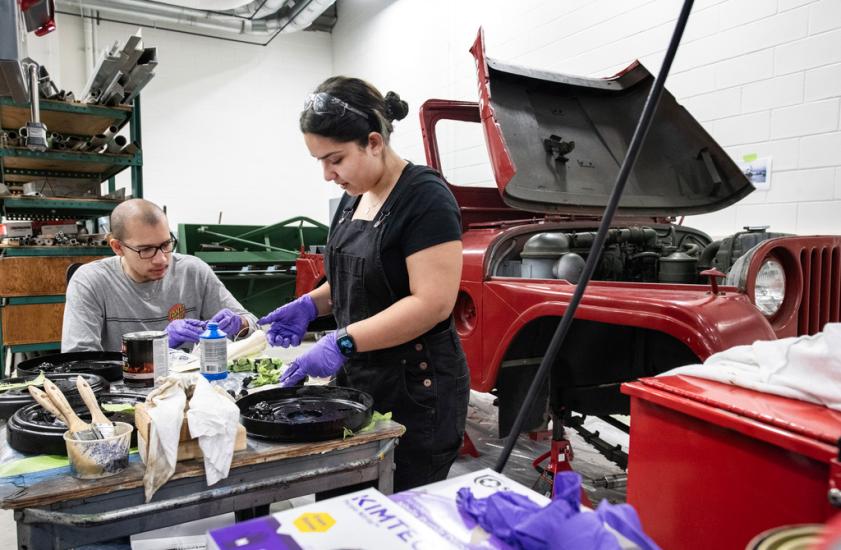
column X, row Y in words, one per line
column 214, row 353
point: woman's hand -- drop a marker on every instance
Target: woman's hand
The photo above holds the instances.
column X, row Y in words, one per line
column 289, row 322
column 322, row 360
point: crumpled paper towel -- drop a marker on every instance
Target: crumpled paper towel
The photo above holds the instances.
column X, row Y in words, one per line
column 213, row 418
column 165, row 405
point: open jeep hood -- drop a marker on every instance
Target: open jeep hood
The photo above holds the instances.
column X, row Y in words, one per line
column 556, row 143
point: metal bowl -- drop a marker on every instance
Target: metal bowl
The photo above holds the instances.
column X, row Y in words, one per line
column 33, row 430
column 305, row 413
column 107, row 364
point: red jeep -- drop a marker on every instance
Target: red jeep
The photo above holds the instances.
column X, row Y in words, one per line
column 555, row 144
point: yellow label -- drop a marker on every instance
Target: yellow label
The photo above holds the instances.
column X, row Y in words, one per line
column 318, row 522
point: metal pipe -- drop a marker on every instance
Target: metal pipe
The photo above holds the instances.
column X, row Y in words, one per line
column 116, row 145
column 594, row 256
column 110, row 131
column 35, row 104
column 90, row 50
column 158, row 13
column 37, row 515
column 611, row 481
column 284, row 223
column 205, row 230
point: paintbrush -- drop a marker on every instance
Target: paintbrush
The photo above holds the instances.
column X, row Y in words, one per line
column 98, row 419
column 44, row 400
column 78, row 428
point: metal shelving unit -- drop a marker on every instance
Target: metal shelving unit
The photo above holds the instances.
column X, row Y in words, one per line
column 32, row 278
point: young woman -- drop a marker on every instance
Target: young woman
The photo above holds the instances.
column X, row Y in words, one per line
column 393, row 264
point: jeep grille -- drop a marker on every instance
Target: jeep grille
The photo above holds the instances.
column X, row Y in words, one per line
column 821, row 295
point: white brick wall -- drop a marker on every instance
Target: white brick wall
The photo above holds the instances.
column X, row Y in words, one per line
column 823, row 82
column 763, row 76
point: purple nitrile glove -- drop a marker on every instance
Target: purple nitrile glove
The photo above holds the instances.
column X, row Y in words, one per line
column 289, row 322
column 322, row 360
column 229, row 322
column 624, row 519
column 182, row 331
column 498, row 513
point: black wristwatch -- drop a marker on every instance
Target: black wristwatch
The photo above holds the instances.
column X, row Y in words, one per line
column 345, row 342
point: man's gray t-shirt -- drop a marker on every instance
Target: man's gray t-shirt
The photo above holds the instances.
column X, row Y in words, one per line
column 103, row 303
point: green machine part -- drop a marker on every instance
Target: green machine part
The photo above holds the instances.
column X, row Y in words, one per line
column 255, row 263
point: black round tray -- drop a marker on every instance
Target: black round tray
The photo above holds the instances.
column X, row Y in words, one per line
column 107, row 364
column 12, row 400
column 35, row 431
column 305, row 413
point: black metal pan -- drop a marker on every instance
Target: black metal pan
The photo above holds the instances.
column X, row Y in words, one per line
column 12, row 400
column 107, row 364
column 305, row 413
column 33, row 430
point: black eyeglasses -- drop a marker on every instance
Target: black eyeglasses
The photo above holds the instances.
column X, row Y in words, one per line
column 324, row 103
column 149, row 252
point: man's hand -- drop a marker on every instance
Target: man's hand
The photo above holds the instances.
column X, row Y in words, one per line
column 229, row 322
column 183, row 331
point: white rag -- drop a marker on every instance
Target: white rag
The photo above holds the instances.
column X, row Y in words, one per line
column 165, row 405
column 807, row 368
column 213, row 418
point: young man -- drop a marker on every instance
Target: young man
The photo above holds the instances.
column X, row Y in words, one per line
column 146, row 286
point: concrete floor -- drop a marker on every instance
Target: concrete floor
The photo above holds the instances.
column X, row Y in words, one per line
column 481, row 427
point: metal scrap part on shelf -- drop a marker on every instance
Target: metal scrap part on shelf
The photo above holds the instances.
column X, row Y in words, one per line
column 121, row 73
column 59, row 239
column 36, row 131
column 57, row 187
column 100, row 143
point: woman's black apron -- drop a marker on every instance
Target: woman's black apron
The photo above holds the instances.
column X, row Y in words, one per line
column 424, row 382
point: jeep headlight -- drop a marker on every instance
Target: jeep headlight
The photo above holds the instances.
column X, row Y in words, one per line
column 770, row 287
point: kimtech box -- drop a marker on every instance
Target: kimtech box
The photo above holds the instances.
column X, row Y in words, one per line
column 435, row 505
column 364, row 519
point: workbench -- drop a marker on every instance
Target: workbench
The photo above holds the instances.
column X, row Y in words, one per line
column 61, row 511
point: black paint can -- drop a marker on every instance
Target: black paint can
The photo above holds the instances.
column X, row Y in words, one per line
column 145, row 357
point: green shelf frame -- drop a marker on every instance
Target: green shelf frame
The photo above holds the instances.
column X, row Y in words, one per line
column 18, row 207
column 78, row 108
column 64, row 164
column 29, row 251
column 29, row 300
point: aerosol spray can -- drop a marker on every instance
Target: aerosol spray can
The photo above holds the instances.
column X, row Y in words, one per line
column 214, row 353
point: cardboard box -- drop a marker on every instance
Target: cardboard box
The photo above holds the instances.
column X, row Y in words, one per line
column 51, row 230
column 364, row 519
column 188, row 448
column 16, row 229
column 435, row 506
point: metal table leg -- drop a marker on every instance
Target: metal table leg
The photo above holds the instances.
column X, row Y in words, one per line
column 385, row 481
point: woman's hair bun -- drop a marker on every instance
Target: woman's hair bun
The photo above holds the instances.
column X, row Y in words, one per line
column 395, row 108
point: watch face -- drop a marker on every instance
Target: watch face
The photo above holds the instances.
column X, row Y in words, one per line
column 345, row 345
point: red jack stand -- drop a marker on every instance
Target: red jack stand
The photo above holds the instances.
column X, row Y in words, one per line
column 468, row 448
column 560, row 457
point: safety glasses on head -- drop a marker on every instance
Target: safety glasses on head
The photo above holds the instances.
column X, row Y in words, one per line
column 149, row 252
column 323, row 103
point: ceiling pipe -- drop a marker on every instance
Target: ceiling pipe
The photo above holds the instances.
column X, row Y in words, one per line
column 268, row 7
column 159, row 15
column 210, row 5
